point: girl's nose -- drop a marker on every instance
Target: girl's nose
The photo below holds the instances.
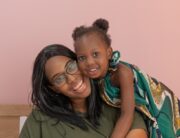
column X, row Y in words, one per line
column 90, row 61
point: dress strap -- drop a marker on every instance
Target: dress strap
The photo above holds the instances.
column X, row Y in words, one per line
column 114, row 61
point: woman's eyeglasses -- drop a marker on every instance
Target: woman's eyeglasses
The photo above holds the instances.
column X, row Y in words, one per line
column 70, row 68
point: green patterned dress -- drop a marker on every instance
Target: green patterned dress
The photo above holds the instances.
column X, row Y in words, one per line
column 155, row 100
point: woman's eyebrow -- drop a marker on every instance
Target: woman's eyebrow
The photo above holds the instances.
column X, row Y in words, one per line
column 67, row 63
column 57, row 74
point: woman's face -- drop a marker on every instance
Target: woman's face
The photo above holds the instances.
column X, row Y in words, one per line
column 66, row 79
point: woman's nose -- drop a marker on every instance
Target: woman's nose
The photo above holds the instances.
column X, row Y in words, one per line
column 71, row 78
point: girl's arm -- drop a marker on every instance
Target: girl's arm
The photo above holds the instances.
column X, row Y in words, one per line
column 123, row 78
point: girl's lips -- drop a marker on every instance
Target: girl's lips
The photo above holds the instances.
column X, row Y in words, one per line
column 92, row 72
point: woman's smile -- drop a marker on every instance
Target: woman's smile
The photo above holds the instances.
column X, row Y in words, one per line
column 80, row 87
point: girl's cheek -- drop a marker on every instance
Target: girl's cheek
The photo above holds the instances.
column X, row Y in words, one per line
column 81, row 65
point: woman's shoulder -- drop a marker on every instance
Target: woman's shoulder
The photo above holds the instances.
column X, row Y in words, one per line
column 31, row 127
column 37, row 115
column 36, row 124
column 110, row 112
column 35, row 118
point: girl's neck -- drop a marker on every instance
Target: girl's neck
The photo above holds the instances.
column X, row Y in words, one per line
column 79, row 106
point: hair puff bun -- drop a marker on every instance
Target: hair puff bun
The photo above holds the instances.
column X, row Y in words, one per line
column 101, row 24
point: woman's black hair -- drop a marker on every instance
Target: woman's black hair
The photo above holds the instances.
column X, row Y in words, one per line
column 100, row 27
column 55, row 104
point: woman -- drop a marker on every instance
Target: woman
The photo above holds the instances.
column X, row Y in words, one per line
column 66, row 102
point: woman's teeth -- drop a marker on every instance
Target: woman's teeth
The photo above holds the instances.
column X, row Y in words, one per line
column 78, row 86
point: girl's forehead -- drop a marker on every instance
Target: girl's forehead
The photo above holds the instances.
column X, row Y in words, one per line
column 92, row 37
column 90, row 42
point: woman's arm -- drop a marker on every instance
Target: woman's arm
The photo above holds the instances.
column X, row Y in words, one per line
column 123, row 78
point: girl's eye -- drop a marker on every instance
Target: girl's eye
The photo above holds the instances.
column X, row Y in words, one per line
column 95, row 54
column 81, row 58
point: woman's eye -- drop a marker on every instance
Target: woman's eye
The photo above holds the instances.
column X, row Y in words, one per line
column 60, row 79
column 81, row 58
column 73, row 68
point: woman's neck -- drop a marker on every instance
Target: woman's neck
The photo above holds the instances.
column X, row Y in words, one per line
column 79, row 105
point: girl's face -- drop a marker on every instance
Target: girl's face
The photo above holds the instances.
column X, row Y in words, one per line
column 93, row 55
column 62, row 72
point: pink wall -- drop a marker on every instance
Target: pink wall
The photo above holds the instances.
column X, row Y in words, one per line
column 146, row 32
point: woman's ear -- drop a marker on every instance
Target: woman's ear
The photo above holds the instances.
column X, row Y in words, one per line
column 109, row 52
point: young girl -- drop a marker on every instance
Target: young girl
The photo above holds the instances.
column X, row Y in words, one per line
column 124, row 85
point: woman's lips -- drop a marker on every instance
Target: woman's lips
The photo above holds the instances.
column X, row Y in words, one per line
column 80, row 87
